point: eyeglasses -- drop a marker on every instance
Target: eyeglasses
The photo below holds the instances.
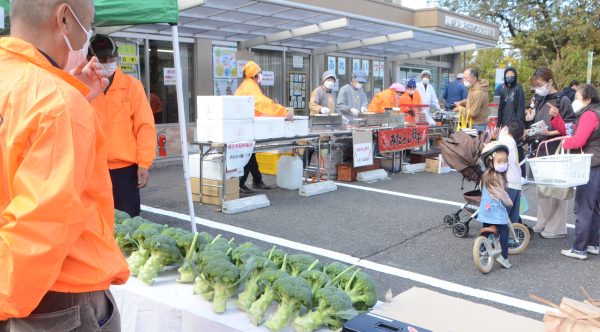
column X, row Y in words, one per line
column 107, row 59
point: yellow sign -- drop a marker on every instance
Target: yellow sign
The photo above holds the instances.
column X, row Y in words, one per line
column 128, row 68
column 127, row 49
column 129, row 59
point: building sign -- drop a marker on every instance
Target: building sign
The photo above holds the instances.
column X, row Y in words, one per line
column 399, row 139
column 461, row 24
column 341, row 66
column 331, row 63
column 268, row 78
column 170, row 76
column 365, row 67
column 355, row 64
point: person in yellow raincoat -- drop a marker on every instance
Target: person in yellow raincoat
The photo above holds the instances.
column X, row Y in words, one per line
column 263, row 106
column 387, row 98
column 128, row 123
column 57, row 249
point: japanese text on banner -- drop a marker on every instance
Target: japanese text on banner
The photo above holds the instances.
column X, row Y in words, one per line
column 402, row 138
column 237, row 156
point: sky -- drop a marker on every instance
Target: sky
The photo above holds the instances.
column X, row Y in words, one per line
column 415, row 4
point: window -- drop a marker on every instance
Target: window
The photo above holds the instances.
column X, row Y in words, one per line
column 272, row 61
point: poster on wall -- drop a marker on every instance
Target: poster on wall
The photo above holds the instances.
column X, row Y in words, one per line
column 355, row 64
column 331, row 63
column 365, row 66
column 297, row 62
column 268, row 78
column 225, row 87
column 298, row 90
column 224, row 62
column 341, row 66
column 170, row 77
column 129, row 60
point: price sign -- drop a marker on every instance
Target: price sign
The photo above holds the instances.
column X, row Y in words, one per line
column 362, row 148
column 237, row 156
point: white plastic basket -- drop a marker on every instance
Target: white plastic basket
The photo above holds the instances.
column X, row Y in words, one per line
column 561, row 170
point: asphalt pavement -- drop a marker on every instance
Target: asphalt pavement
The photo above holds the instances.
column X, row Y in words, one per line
column 396, row 223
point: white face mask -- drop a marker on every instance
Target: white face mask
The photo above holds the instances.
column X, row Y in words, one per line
column 542, row 91
column 578, row 105
column 109, row 68
column 359, row 85
column 328, row 85
column 79, row 56
column 260, row 78
column 501, row 168
column 425, row 81
column 467, row 84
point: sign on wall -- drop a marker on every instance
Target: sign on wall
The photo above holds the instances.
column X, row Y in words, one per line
column 461, row 24
column 365, row 66
column 355, row 64
column 268, row 78
column 129, row 60
column 341, row 66
column 170, row 77
column 297, row 62
column 298, row 90
column 224, row 62
column 331, row 63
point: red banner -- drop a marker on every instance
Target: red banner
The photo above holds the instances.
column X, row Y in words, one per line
column 399, row 139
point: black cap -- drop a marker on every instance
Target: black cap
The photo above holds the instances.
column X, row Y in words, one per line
column 103, row 46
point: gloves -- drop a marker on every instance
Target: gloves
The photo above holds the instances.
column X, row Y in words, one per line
column 354, row 111
column 325, row 110
column 364, row 110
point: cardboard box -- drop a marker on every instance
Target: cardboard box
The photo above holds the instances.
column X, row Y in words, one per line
column 266, row 127
column 211, row 200
column 439, row 312
column 347, row 173
column 226, row 131
column 437, row 165
column 215, row 188
column 225, row 108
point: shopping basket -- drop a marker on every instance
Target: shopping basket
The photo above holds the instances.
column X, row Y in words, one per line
column 560, row 169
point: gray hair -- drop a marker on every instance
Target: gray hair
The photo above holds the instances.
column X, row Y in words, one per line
column 37, row 12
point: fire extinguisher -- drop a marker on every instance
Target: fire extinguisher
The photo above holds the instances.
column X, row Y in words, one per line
column 162, row 143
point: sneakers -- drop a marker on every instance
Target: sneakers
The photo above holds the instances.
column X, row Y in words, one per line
column 260, row 185
column 594, row 250
column 547, row 235
column 504, row 262
column 574, row 253
column 245, row 190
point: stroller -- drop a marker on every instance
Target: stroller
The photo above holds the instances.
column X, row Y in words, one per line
column 462, row 151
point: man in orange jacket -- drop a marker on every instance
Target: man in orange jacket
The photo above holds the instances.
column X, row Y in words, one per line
column 263, row 106
column 410, row 97
column 387, row 98
column 128, row 123
column 57, row 251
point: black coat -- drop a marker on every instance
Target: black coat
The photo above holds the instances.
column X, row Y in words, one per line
column 512, row 105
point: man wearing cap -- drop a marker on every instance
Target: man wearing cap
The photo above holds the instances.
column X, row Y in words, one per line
column 455, row 92
column 263, row 106
column 427, row 92
column 352, row 99
column 387, row 98
column 322, row 99
column 409, row 98
column 126, row 117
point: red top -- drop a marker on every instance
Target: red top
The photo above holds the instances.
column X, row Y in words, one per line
column 586, row 126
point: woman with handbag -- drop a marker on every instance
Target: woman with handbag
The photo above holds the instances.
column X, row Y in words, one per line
column 552, row 206
column 587, row 137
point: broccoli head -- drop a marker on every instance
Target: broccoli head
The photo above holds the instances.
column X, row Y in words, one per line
column 333, row 308
column 123, row 235
column 251, row 286
column 277, row 256
column 163, row 251
column 120, row 216
column 292, row 293
column 301, row 262
column 134, row 223
column 360, row 287
column 245, row 251
column 334, row 269
column 223, row 276
column 138, row 258
column 316, row 279
column 266, row 294
column 187, row 270
column 181, row 236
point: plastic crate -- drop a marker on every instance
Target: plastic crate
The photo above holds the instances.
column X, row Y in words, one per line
column 267, row 161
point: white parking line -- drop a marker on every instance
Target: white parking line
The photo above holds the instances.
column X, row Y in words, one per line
column 433, row 282
column 422, row 198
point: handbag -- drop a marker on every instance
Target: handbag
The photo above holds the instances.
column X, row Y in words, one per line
column 563, row 194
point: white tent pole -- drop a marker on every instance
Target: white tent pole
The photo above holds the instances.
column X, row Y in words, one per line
column 182, row 126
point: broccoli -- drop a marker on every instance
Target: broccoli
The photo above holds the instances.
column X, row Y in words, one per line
column 134, row 223
column 163, row 251
column 277, row 255
column 242, row 253
column 292, row 293
column 120, row 216
column 301, row 262
column 334, row 269
column 334, row 307
column 251, row 287
column 223, row 276
column 267, row 295
column 138, row 258
column 123, row 235
column 316, row 279
column 360, row 287
column 182, row 237
column 187, row 270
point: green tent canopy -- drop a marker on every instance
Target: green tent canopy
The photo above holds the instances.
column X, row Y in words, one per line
column 135, row 12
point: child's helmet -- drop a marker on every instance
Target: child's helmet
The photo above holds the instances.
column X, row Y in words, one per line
column 491, row 148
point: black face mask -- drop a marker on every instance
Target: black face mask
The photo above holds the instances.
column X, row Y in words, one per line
column 510, row 80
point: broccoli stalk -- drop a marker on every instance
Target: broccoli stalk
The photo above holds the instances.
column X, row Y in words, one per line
column 138, row 258
column 187, row 271
column 316, row 279
column 301, row 262
column 251, row 286
column 360, row 287
column 277, row 256
column 123, row 234
column 261, row 305
column 203, row 288
column 163, row 251
column 334, row 307
column 223, row 276
column 293, row 293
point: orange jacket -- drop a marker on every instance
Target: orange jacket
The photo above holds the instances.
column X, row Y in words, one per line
column 381, row 101
column 407, row 99
column 56, row 205
column 128, row 123
column 263, row 106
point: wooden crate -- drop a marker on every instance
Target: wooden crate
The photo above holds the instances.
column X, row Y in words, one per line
column 347, row 173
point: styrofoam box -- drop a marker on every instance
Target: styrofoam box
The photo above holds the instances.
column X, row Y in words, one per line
column 301, row 127
column 212, row 167
column 269, row 127
column 290, row 129
column 225, row 107
column 225, row 131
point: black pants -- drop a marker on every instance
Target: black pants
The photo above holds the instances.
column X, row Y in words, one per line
column 587, row 224
column 307, row 157
column 251, row 167
column 125, row 189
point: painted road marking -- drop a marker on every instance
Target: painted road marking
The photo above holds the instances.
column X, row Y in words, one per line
column 420, row 278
